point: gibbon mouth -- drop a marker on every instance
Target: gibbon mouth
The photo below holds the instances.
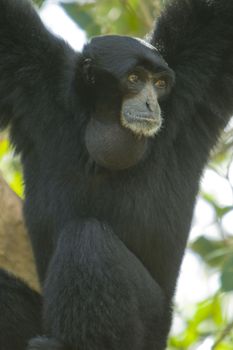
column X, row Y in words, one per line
column 142, row 124
column 131, row 116
column 142, row 119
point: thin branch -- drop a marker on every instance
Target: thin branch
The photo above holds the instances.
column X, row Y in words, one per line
column 223, row 335
column 148, row 19
column 15, row 247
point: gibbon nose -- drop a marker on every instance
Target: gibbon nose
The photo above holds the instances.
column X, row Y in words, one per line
column 149, row 106
column 152, row 106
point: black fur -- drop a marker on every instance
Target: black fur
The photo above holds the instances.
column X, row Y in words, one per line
column 20, row 313
column 109, row 245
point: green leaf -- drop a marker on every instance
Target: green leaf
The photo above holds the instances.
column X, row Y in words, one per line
column 224, row 346
column 4, row 147
column 207, row 319
column 227, row 275
column 219, row 211
column 213, row 252
column 17, row 184
column 81, row 14
column 38, row 2
column 131, row 17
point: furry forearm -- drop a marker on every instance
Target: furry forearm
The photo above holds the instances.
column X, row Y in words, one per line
column 196, row 39
column 29, row 56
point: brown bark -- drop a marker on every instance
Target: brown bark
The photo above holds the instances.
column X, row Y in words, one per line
column 15, row 248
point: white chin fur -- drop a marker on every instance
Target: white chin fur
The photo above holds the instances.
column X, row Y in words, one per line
column 141, row 129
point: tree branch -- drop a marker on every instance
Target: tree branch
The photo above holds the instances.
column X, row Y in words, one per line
column 15, row 248
column 223, row 335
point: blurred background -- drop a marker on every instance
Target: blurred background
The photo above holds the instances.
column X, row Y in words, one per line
column 203, row 318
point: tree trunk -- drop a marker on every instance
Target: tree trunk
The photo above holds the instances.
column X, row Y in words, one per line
column 15, row 248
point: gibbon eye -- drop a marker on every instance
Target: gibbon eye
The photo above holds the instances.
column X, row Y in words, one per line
column 133, row 78
column 161, row 84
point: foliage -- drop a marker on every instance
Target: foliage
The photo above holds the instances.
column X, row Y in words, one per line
column 209, row 319
column 10, row 166
column 38, row 2
column 110, row 16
